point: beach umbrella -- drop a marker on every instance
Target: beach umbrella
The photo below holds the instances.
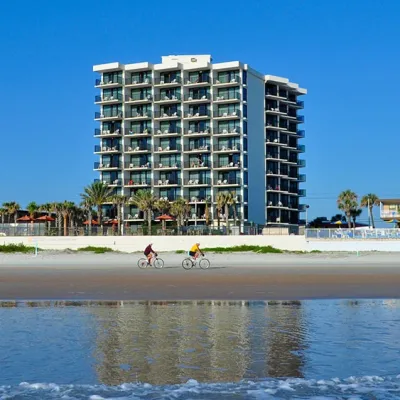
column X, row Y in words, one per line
column 45, row 218
column 94, row 222
column 164, row 218
column 25, row 218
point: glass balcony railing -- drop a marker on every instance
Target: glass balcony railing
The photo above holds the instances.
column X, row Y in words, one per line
column 227, row 96
column 228, row 181
column 224, row 80
column 104, row 132
column 228, row 131
column 168, row 182
column 197, row 79
column 107, row 165
column 301, row 178
column 138, row 131
column 197, row 114
column 168, row 131
column 139, row 114
column 300, row 118
column 228, row 147
column 108, row 81
column 137, row 147
column 272, row 123
column 104, row 98
column 300, row 104
column 301, row 133
column 198, row 131
column 197, row 164
column 138, row 181
column 107, row 148
column 139, row 97
column 301, row 163
column 165, row 97
column 227, row 114
column 167, row 114
column 302, row 192
column 301, row 148
column 167, row 164
column 197, row 96
column 197, row 181
column 168, row 147
column 137, row 164
column 198, row 147
column 113, row 114
column 168, row 80
column 227, row 164
column 138, row 80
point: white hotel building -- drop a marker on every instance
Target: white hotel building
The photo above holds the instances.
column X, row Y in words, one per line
column 190, row 128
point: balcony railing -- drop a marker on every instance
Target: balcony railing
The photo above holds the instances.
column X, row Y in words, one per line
column 173, row 97
column 105, row 82
column 170, row 197
column 131, row 132
column 229, row 164
column 168, row 182
column 136, row 165
column 168, row 80
column 301, row 148
column 197, row 164
column 107, row 165
column 300, row 104
column 227, row 114
column 197, row 114
column 301, row 163
column 138, row 181
column 197, row 97
column 170, row 131
column 301, row 133
column 134, row 215
column 103, row 98
column 225, row 147
column 105, row 132
column 167, row 164
column 228, row 181
column 197, row 181
column 227, row 96
column 302, row 192
column 115, row 182
column 139, row 114
column 300, row 118
column 273, row 155
column 138, row 147
column 140, row 97
column 223, row 81
column 107, row 149
column 272, row 124
column 170, row 147
column 301, row 178
column 116, row 115
column 232, row 131
column 196, row 80
column 206, row 131
column 138, row 81
column 193, row 147
column 167, row 114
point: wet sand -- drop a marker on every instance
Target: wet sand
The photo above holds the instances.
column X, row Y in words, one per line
column 235, row 276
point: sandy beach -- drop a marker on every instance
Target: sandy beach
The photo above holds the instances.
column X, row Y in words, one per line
column 243, row 276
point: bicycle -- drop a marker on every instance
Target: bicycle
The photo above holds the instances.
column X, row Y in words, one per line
column 155, row 261
column 189, row 263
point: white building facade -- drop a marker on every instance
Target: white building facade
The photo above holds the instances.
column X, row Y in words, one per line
column 190, row 128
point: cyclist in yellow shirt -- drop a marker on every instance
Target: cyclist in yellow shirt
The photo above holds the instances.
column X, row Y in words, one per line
column 195, row 251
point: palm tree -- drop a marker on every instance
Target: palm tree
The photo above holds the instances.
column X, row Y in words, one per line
column 56, row 208
column 87, row 207
column 207, row 213
column 3, row 212
column 232, row 201
column 98, row 193
column 145, row 201
column 12, row 208
column 179, row 210
column 347, row 201
column 369, row 201
column 219, row 207
column 32, row 208
column 354, row 214
column 46, row 207
column 164, row 206
column 119, row 201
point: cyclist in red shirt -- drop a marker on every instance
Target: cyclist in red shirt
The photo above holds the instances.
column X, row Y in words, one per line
column 149, row 253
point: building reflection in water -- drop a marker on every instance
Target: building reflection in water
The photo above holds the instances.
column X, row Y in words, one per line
column 165, row 343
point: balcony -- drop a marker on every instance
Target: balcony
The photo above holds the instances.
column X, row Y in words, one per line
column 228, row 182
column 167, row 165
column 142, row 98
column 139, row 114
column 227, row 98
column 107, row 149
column 198, row 81
column 227, row 165
column 134, row 216
column 168, row 81
column 159, row 98
column 302, row 192
column 273, row 156
column 168, row 132
column 301, row 178
column 107, row 165
column 117, row 81
column 138, row 182
column 198, row 98
column 272, row 125
column 136, row 165
column 226, row 114
column 170, row 197
column 224, row 148
column 108, row 116
column 301, row 148
column 273, row 110
column 197, row 114
column 197, row 182
column 273, row 93
column 138, row 148
column 168, row 149
column 197, row 148
column 276, row 172
column 233, row 81
column 229, row 132
column 301, row 163
column 107, row 132
column 138, row 81
column 110, row 182
column 167, row 114
column 301, row 134
column 206, row 131
column 301, row 207
column 197, row 165
column 138, row 132
column 108, row 99
column 168, row 182
column 300, row 119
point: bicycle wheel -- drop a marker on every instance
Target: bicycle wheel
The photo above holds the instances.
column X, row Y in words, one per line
column 187, row 263
column 142, row 263
column 204, row 263
column 158, row 263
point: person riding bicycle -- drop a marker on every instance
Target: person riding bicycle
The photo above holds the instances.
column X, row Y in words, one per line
column 149, row 253
column 195, row 251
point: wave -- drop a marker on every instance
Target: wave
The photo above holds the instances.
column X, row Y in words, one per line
column 355, row 388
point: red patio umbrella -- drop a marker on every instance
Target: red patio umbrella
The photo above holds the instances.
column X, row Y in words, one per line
column 112, row 222
column 94, row 222
column 45, row 218
column 164, row 218
column 25, row 218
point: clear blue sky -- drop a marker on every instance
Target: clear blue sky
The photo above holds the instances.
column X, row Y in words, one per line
column 344, row 52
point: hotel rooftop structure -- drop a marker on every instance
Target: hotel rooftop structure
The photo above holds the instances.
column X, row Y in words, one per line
column 191, row 128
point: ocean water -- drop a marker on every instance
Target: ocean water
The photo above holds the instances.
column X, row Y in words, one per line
column 312, row 349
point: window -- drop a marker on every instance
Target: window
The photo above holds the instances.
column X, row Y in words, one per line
column 113, row 110
column 244, row 77
column 229, row 126
column 244, row 94
column 244, row 111
column 229, row 93
column 244, row 127
column 228, row 76
column 245, row 162
column 228, row 109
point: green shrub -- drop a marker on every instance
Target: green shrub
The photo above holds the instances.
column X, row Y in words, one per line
column 16, row 248
column 244, row 248
column 96, row 250
column 180, row 252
